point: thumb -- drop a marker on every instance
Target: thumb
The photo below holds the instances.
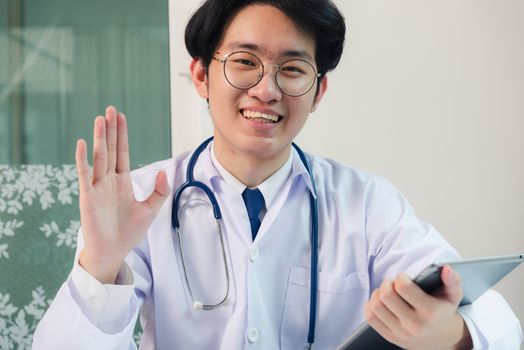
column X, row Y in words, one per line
column 452, row 286
column 161, row 192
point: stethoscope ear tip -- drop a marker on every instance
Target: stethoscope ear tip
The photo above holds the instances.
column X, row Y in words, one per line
column 197, row 305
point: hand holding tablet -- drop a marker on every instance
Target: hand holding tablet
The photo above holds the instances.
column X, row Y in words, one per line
column 477, row 276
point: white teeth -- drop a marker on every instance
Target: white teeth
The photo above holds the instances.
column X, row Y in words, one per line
column 253, row 114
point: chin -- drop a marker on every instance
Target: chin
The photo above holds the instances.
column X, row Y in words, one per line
column 265, row 148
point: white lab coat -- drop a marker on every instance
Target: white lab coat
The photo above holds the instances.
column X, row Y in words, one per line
column 367, row 231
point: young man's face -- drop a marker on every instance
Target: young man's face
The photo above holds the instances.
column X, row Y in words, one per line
column 266, row 32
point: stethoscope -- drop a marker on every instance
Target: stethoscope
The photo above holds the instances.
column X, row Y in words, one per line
column 190, row 182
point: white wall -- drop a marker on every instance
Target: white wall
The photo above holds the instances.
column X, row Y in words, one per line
column 429, row 95
column 190, row 121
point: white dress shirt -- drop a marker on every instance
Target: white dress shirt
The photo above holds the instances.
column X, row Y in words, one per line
column 367, row 232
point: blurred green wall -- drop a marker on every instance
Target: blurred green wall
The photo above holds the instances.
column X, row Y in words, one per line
column 62, row 62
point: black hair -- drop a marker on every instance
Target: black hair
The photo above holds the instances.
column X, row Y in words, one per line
column 320, row 19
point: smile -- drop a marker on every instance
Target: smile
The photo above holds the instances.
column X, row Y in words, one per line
column 261, row 117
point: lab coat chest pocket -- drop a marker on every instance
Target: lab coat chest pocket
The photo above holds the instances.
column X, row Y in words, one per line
column 339, row 309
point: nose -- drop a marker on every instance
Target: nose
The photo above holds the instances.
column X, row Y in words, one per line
column 267, row 89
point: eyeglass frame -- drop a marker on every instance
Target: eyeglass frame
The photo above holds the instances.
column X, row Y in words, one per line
column 277, row 66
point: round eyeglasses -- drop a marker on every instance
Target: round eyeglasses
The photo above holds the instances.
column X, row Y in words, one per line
column 243, row 70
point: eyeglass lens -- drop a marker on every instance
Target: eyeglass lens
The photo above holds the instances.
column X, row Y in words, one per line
column 244, row 70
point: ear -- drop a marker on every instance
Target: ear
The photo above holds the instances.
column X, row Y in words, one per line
column 199, row 77
column 321, row 91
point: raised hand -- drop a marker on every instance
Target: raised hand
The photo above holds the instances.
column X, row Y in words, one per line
column 113, row 222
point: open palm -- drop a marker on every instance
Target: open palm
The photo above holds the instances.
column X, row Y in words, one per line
column 113, row 221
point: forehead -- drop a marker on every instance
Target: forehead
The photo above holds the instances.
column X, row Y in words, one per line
column 267, row 31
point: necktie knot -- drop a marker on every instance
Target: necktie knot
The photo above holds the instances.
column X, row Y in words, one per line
column 254, row 201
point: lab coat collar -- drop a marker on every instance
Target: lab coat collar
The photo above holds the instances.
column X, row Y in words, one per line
column 206, row 172
column 299, row 170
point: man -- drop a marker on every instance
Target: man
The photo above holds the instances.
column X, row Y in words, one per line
column 261, row 65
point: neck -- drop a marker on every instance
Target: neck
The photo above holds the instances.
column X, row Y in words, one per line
column 249, row 169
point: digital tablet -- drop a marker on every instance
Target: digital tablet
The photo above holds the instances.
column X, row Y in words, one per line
column 477, row 276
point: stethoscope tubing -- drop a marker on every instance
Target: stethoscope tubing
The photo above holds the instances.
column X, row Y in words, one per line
column 190, row 182
column 314, row 249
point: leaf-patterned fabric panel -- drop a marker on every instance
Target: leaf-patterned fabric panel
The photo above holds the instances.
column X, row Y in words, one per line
column 39, row 221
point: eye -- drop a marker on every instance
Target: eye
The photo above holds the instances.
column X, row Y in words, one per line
column 292, row 69
column 245, row 62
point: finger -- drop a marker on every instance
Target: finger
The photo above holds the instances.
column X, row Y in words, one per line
column 111, row 138
column 374, row 321
column 122, row 164
column 380, row 298
column 159, row 195
column 376, row 309
column 452, row 285
column 382, row 329
column 411, row 293
column 394, row 302
column 82, row 166
column 99, row 149
column 387, row 317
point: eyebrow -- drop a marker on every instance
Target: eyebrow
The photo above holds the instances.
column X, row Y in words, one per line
column 254, row 47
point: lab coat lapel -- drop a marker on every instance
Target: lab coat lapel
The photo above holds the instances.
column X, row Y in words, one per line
column 298, row 174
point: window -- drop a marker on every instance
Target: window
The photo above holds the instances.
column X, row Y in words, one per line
column 62, row 62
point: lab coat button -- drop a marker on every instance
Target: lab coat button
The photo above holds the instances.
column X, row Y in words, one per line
column 252, row 335
column 253, row 254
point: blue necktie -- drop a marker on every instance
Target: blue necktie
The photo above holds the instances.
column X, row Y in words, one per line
column 254, row 202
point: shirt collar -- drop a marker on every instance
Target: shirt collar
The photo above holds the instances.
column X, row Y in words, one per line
column 269, row 188
column 293, row 168
column 224, row 174
column 273, row 184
